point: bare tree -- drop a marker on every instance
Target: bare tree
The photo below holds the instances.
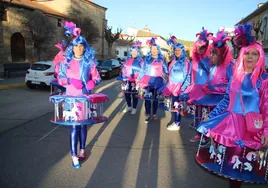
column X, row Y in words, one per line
column 111, row 37
column 41, row 29
column 89, row 29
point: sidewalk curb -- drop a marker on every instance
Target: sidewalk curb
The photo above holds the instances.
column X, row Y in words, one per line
column 11, row 86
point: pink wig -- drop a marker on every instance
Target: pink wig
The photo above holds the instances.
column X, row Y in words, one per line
column 239, row 71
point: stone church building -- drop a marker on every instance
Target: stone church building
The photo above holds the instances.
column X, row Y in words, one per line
column 16, row 43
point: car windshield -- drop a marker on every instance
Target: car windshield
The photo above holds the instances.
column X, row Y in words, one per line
column 39, row 66
column 106, row 63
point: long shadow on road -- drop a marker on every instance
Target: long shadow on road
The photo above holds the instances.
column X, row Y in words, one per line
column 37, row 154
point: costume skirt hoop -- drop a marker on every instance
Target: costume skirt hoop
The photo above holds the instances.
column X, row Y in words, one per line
column 235, row 163
column 78, row 110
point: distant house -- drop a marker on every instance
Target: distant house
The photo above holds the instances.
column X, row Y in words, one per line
column 146, row 34
column 16, row 45
column 259, row 16
column 123, row 45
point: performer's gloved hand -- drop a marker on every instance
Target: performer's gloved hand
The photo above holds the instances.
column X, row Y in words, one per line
column 78, row 84
column 183, row 97
column 207, row 89
column 90, row 84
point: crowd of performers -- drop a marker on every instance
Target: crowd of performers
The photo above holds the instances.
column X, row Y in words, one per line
column 227, row 98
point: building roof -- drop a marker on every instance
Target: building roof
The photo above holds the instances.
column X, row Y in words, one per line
column 122, row 42
column 256, row 12
column 33, row 5
column 94, row 4
column 142, row 33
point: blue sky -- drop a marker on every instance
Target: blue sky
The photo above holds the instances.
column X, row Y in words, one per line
column 182, row 18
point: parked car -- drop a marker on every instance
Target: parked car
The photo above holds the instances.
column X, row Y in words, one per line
column 109, row 68
column 41, row 73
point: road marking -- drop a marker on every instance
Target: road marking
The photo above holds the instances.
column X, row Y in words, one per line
column 11, row 86
column 47, row 134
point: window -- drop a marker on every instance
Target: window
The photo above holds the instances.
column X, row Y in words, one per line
column 106, row 63
column 264, row 27
column 3, row 15
column 117, row 52
column 116, row 63
column 59, row 22
column 125, row 53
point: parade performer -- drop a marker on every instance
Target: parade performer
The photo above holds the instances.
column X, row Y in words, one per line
column 178, row 80
column 152, row 77
column 130, row 72
column 78, row 74
column 59, row 58
column 220, row 71
column 238, row 126
column 199, row 73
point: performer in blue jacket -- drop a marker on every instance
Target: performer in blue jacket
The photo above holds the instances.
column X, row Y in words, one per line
column 130, row 72
column 152, row 77
column 178, row 80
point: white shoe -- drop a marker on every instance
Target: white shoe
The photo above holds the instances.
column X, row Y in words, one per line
column 134, row 110
column 127, row 109
column 173, row 127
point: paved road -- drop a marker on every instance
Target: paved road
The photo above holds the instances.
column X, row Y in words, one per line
column 125, row 152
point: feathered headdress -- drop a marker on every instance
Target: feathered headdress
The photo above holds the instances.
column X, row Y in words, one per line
column 62, row 45
column 136, row 45
column 220, row 40
column 151, row 42
column 243, row 36
column 172, row 42
column 203, row 35
column 220, row 47
column 71, row 30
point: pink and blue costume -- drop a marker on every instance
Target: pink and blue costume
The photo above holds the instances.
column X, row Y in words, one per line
column 58, row 59
column 219, row 74
column 200, row 68
column 130, row 71
column 230, row 124
column 78, row 76
column 152, row 76
column 179, row 77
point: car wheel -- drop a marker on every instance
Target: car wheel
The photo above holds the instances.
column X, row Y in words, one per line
column 30, row 86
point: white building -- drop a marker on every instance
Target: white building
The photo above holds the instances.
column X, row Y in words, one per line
column 122, row 48
column 144, row 35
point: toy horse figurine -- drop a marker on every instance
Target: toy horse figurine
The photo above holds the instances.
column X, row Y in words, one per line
column 71, row 115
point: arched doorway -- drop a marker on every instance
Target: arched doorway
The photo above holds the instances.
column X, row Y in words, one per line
column 17, row 48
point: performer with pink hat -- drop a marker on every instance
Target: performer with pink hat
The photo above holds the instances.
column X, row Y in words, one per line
column 199, row 74
column 220, row 72
column 152, row 77
column 238, row 126
column 78, row 74
column 178, row 80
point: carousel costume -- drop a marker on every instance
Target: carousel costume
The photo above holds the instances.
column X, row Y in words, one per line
column 239, row 120
column 219, row 75
column 130, row 72
column 79, row 76
column 199, row 76
column 200, row 67
column 152, row 78
column 178, row 80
